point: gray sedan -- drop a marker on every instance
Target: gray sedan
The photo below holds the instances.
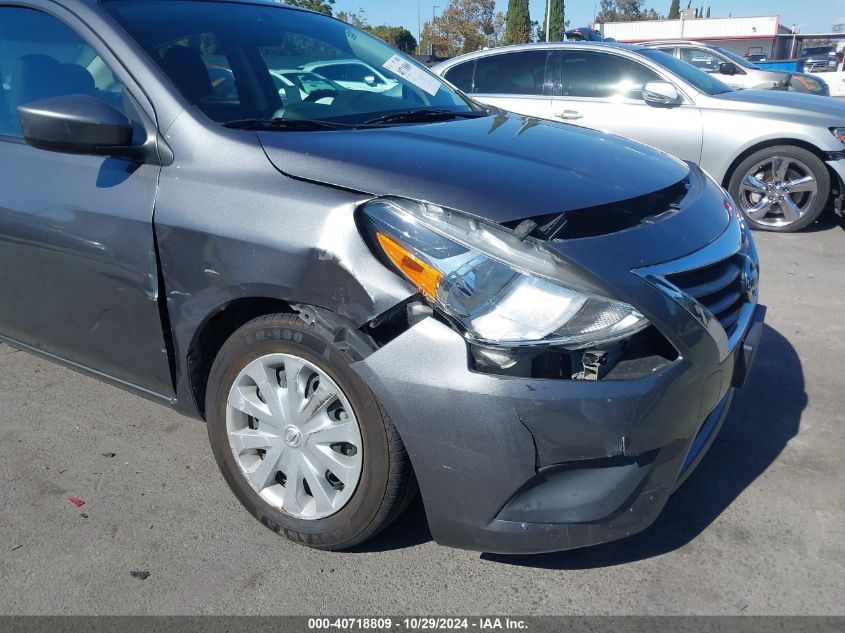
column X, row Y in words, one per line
column 781, row 155
column 355, row 313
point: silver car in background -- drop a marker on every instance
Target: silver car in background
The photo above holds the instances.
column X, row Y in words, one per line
column 781, row 155
column 738, row 72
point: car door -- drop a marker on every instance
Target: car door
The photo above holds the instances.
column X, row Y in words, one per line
column 603, row 90
column 78, row 268
column 515, row 81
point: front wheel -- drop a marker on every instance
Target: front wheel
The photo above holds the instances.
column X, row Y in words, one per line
column 300, row 438
column 781, row 188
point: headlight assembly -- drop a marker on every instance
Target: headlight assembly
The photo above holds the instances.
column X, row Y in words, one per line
column 839, row 132
column 499, row 289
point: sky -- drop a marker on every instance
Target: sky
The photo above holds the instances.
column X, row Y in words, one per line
column 809, row 15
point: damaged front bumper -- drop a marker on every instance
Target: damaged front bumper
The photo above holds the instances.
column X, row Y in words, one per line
column 515, row 465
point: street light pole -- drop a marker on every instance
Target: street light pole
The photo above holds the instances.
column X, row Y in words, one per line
column 548, row 17
column 419, row 29
column 433, row 30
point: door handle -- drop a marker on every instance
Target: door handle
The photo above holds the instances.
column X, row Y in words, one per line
column 569, row 115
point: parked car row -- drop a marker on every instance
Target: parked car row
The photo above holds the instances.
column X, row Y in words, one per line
column 780, row 154
column 370, row 284
column 738, row 72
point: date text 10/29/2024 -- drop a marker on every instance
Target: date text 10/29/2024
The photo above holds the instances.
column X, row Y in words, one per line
column 417, row 624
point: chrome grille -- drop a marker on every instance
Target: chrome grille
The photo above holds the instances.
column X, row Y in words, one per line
column 816, row 66
column 718, row 287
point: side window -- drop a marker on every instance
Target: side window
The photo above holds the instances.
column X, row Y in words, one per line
column 604, row 76
column 41, row 57
column 359, row 72
column 702, row 59
column 522, row 73
column 334, row 72
column 461, row 75
column 354, row 72
column 668, row 51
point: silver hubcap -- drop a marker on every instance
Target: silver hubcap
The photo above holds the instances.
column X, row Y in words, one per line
column 778, row 191
column 294, row 436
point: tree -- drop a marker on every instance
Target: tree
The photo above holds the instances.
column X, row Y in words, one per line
column 675, row 10
column 518, row 23
column 708, row 11
column 558, row 21
column 625, row 11
column 397, row 36
column 321, row 6
column 497, row 37
column 463, row 27
column 357, row 19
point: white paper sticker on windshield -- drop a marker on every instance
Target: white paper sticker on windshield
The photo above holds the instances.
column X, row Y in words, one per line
column 409, row 72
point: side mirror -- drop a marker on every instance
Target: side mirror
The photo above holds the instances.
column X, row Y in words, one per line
column 728, row 68
column 661, row 93
column 77, row 124
column 370, row 80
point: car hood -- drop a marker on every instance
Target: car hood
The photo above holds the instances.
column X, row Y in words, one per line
column 793, row 102
column 502, row 168
column 780, row 75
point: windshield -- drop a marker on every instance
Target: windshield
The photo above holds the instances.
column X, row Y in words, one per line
column 817, row 50
column 242, row 62
column 698, row 79
column 736, row 59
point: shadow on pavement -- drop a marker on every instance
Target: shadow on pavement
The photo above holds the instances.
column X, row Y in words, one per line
column 410, row 529
column 828, row 221
column 765, row 415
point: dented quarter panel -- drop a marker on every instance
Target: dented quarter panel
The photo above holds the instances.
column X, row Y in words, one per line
column 230, row 226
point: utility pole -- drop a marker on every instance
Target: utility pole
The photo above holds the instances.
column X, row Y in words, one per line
column 548, row 17
column 433, row 30
column 419, row 29
column 794, row 40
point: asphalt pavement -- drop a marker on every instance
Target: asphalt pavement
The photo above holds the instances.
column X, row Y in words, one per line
column 757, row 529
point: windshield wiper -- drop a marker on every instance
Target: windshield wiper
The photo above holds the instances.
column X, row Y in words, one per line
column 418, row 115
column 302, row 125
column 421, row 115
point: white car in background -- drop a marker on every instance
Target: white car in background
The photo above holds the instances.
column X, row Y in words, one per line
column 836, row 81
column 299, row 85
column 293, row 85
column 780, row 154
column 352, row 74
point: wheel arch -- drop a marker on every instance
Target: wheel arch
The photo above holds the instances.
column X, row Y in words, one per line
column 225, row 319
column 794, row 142
column 214, row 331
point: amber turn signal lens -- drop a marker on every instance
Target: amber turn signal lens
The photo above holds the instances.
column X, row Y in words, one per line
column 420, row 273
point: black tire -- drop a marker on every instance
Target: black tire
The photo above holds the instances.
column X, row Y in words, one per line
column 812, row 162
column 387, row 484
